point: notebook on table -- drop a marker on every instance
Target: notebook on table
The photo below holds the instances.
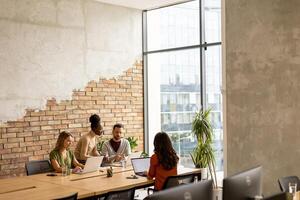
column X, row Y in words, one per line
column 92, row 164
column 140, row 165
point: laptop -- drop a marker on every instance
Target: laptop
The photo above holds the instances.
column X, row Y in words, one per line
column 140, row 165
column 92, row 164
column 131, row 156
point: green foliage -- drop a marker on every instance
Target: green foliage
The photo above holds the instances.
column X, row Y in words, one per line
column 100, row 144
column 144, row 154
column 203, row 153
column 133, row 142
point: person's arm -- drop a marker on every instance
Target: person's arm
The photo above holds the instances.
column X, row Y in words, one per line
column 128, row 149
column 95, row 150
column 152, row 168
column 77, row 164
column 56, row 166
column 84, row 148
column 106, row 152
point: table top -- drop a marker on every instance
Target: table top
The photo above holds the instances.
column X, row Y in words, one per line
column 41, row 186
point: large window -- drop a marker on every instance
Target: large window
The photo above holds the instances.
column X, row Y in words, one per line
column 182, row 59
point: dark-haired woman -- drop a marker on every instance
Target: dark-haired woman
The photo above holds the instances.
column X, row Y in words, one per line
column 163, row 162
column 62, row 155
column 87, row 145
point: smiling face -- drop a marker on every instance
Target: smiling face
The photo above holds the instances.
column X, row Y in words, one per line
column 68, row 142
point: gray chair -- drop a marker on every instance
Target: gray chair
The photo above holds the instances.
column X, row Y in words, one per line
column 284, row 182
column 279, row 196
column 173, row 181
column 127, row 194
column 70, row 197
column 38, row 167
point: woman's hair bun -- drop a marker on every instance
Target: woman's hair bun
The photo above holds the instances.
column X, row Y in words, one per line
column 94, row 119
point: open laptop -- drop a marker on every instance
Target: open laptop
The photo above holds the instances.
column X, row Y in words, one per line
column 131, row 156
column 92, row 164
column 140, row 165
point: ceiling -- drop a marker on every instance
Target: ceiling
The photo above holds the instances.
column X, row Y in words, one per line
column 142, row 4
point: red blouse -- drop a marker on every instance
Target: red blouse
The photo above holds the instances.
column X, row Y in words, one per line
column 158, row 172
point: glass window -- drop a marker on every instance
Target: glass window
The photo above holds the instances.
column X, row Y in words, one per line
column 178, row 100
column 212, row 21
column 175, row 83
column 212, row 62
column 173, row 26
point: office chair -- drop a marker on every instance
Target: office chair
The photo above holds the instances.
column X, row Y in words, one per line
column 173, row 181
column 127, row 194
column 284, row 182
column 279, row 196
column 70, row 197
column 37, row 167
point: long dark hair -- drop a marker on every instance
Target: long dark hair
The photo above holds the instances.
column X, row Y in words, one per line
column 61, row 139
column 166, row 154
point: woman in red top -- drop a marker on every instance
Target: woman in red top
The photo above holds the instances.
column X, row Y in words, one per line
column 163, row 162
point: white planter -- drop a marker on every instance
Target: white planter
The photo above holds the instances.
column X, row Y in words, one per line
column 217, row 193
column 204, row 173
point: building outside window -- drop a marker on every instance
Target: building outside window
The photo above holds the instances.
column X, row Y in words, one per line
column 182, row 59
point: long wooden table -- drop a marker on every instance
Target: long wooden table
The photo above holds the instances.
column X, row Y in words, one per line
column 41, row 186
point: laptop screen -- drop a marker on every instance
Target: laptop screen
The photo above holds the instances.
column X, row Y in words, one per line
column 140, row 164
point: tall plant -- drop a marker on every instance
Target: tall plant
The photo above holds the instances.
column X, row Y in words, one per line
column 203, row 153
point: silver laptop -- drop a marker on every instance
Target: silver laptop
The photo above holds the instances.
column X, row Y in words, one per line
column 140, row 165
column 92, row 164
column 131, row 156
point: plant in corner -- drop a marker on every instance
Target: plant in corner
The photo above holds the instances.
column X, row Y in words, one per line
column 203, row 153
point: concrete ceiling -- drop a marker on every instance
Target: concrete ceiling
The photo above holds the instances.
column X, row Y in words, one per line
column 142, row 4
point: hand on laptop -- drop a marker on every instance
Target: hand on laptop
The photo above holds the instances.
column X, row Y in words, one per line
column 77, row 170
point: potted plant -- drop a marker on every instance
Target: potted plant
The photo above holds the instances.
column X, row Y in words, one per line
column 203, row 154
column 133, row 142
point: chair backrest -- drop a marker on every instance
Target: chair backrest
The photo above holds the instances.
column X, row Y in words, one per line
column 37, row 167
column 279, row 196
column 71, row 197
column 284, row 182
column 173, row 181
column 127, row 194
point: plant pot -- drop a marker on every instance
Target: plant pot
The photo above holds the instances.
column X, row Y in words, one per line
column 204, row 173
column 217, row 193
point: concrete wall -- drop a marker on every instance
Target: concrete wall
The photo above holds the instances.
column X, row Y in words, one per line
column 50, row 47
column 262, row 87
column 60, row 62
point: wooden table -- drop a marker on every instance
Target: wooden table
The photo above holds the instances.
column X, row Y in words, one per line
column 41, row 186
column 26, row 188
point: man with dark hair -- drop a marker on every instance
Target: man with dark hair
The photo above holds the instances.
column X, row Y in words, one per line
column 117, row 148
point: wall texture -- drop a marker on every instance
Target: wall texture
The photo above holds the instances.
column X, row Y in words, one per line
column 52, row 54
column 33, row 136
column 263, row 84
column 50, row 47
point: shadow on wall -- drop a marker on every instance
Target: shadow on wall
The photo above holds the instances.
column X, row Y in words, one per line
column 32, row 137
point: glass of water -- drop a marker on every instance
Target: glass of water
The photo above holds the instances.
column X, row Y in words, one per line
column 293, row 188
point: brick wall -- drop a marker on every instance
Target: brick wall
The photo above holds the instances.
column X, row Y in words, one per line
column 119, row 99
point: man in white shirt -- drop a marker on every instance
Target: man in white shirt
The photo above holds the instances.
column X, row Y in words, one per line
column 117, row 148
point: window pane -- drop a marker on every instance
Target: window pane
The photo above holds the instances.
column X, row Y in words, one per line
column 212, row 60
column 173, row 26
column 212, row 21
column 178, row 94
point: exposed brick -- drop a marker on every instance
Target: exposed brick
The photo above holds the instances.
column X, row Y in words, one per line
column 32, row 137
column 12, row 140
column 31, row 119
column 9, row 135
column 56, row 107
column 24, row 134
